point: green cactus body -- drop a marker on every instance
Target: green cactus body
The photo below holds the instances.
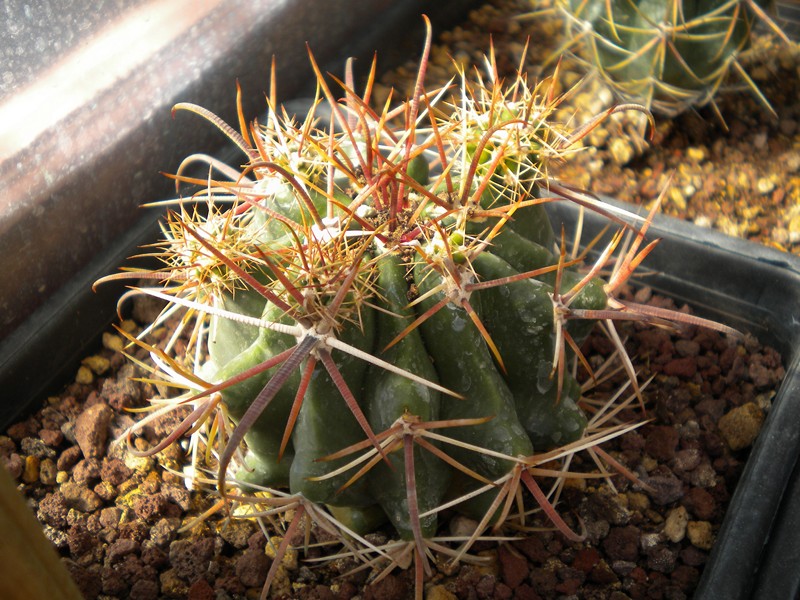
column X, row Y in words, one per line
column 394, row 313
column 519, row 318
column 668, row 55
column 325, row 426
column 389, row 397
column 262, row 465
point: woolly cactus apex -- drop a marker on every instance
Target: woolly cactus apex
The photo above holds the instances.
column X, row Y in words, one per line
column 379, row 324
column 668, row 55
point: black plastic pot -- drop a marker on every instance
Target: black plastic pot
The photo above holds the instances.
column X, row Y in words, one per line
column 85, row 120
column 753, row 288
column 757, row 290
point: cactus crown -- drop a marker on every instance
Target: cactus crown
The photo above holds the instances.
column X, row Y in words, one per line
column 668, row 55
column 378, row 306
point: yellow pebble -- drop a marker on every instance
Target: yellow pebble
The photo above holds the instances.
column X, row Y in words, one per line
column 113, row 342
column 31, row 471
column 84, row 375
column 98, row 364
column 439, row 592
column 62, row 477
column 697, row 154
column 700, row 534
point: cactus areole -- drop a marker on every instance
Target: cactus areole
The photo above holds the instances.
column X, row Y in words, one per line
column 379, row 322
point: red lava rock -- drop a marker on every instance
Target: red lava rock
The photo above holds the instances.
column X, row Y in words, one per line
column 121, row 392
column 713, row 407
column 113, row 582
column 544, row 580
column 663, row 490
column 7, row 446
column 153, row 556
column 661, row 442
column 53, row 510
column 180, row 496
column 586, row 559
column 502, row 591
column 80, row 541
column 526, row 592
column 86, row 470
column 121, row 548
column 622, row 543
column 68, row 458
column 51, row 437
column 252, row 567
column 485, row 587
column 115, row 471
column 190, row 558
column 201, row 590
column 148, row 506
column 91, row 430
column 87, row 579
column 390, row 587
column 317, row 592
column 684, row 368
column 27, row 428
column 144, row 589
column 513, row 567
column 603, row 574
column 15, row 465
column 569, row 587
column 687, row 347
column 534, row 548
column 686, row 577
column 700, row 503
column 693, row 556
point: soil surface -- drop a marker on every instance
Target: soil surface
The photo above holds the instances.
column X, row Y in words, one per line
column 124, row 524
column 120, row 521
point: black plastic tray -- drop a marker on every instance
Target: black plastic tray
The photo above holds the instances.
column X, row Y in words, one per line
column 748, row 286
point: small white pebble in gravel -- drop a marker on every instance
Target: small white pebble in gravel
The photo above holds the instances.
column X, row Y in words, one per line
column 675, row 525
column 677, row 198
column 461, row 526
column 764, row 185
column 621, row 151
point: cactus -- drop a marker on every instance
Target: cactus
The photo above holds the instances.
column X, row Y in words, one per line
column 383, row 312
column 668, row 55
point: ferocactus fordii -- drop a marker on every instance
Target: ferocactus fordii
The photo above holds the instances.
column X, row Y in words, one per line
column 380, row 306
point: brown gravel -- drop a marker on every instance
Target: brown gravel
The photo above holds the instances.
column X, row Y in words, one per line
column 115, row 518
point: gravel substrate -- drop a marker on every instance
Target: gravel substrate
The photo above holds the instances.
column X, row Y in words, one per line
column 116, row 518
